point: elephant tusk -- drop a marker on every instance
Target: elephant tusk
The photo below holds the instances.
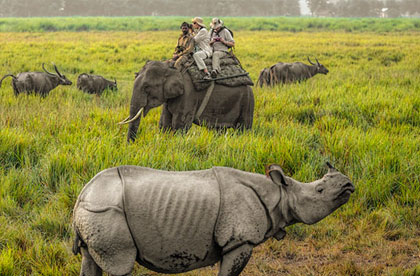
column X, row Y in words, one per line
column 133, row 119
column 123, row 121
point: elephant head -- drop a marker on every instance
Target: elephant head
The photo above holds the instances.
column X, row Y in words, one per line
column 154, row 85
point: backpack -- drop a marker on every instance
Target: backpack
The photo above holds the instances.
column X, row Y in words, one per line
column 231, row 33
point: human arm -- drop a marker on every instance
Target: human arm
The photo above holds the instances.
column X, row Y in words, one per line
column 189, row 47
column 226, row 38
column 201, row 35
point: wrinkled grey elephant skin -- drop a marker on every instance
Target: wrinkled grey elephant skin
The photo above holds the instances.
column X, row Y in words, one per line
column 173, row 222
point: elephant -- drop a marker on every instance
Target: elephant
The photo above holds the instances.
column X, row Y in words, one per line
column 160, row 84
column 177, row 221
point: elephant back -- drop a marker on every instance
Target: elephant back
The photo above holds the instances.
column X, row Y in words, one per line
column 229, row 67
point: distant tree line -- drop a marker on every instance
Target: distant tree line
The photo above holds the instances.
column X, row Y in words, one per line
column 337, row 8
column 25, row 8
column 364, row 8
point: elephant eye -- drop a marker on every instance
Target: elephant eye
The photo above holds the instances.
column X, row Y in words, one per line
column 320, row 189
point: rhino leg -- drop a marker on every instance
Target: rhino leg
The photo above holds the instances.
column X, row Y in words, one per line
column 107, row 237
column 235, row 261
column 89, row 267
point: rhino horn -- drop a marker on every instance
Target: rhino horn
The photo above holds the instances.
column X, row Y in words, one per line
column 331, row 167
column 276, row 174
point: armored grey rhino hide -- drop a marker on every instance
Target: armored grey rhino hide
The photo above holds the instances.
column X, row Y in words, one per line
column 172, row 222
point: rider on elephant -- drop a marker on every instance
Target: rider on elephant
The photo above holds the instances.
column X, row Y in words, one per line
column 202, row 43
column 184, row 47
column 221, row 41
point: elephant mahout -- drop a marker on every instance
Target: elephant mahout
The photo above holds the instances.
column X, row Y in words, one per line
column 160, row 84
column 173, row 222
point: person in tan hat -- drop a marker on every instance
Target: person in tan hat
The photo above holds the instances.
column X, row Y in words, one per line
column 202, row 43
column 221, row 40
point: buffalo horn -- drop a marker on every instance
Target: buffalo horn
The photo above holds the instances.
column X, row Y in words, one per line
column 46, row 70
column 311, row 61
column 56, row 70
column 133, row 119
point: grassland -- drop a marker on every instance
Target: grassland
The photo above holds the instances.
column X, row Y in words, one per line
column 363, row 117
column 153, row 23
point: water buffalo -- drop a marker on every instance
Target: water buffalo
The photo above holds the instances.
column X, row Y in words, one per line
column 173, row 222
column 290, row 72
column 37, row 82
column 94, row 84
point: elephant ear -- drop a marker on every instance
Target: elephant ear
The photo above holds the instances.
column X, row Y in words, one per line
column 174, row 84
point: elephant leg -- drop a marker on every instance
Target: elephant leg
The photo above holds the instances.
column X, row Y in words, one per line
column 235, row 261
column 182, row 122
column 247, row 113
column 165, row 123
column 89, row 267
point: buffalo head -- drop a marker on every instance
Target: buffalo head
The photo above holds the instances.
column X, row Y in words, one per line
column 61, row 78
column 319, row 67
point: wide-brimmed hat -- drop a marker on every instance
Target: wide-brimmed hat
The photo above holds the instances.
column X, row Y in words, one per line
column 199, row 21
column 216, row 23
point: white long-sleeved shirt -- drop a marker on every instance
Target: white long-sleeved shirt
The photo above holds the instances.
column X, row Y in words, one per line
column 202, row 41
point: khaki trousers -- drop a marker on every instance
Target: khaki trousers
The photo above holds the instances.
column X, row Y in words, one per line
column 216, row 60
column 199, row 59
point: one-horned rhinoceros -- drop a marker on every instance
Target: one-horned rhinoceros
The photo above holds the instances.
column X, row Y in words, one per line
column 173, row 222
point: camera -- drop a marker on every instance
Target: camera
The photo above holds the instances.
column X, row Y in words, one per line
column 217, row 39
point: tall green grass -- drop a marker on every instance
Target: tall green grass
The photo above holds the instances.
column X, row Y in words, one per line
column 363, row 117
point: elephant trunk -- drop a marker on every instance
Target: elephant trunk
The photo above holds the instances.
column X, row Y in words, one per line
column 134, row 123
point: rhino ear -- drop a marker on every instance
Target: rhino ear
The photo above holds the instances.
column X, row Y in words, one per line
column 276, row 174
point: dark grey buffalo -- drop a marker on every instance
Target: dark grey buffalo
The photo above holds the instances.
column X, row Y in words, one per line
column 173, row 222
column 94, row 84
column 290, row 72
column 37, row 82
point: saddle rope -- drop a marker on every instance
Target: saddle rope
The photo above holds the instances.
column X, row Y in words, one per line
column 205, row 100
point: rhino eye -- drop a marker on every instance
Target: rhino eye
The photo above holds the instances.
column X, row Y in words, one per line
column 319, row 189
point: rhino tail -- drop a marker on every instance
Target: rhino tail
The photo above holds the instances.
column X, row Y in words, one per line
column 77, row 243
column 8, row 75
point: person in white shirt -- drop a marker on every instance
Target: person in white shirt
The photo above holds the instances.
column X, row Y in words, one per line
column 221, row 40
column 202, row 42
